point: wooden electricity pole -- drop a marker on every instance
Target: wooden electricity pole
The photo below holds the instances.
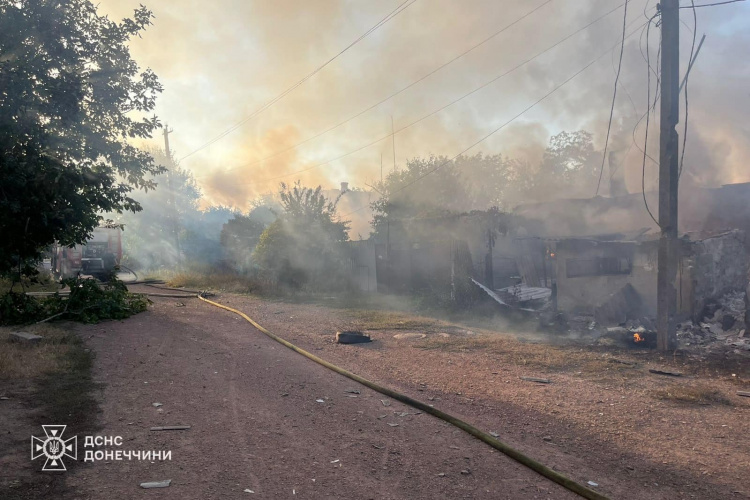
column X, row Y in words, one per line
column 666, row 284
column 170, row 189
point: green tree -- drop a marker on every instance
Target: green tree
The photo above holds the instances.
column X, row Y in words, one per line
column 305, row 244
column 70, row 99
column 437, row 186
column 239, row 236
column 149, row 240
column 569, row 168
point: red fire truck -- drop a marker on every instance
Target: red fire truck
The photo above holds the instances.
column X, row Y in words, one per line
column 98, row 257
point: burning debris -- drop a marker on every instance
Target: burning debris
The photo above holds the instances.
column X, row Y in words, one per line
column 722, row 326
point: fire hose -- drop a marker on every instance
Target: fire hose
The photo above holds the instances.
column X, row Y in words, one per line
column 514, row 454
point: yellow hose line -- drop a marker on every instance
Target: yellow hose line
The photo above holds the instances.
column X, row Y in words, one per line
column 516, row 455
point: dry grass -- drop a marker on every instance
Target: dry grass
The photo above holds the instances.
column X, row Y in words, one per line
column 224, row 281
column 700, row 394
column 20, row 361
column 537, row 356
column 384, row 320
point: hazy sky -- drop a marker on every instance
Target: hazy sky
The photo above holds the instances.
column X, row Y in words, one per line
column 220, row 61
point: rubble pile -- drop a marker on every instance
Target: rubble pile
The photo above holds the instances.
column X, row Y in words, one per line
column 723, row 323
column 722, row 326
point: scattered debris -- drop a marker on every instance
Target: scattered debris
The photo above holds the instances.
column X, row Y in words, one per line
column 320, row 401
column 284, row 394
column 494, row 434
column 385, row 402
column 248, row 490
column 377, row 447
column 722, row 322
column 405, row 413
column 24, row 338
column 521, row 294
column 592, row 483
column 156, row 405
column 157, row 484
column 441, row 474
column 392, row 424
column 180, row 304
column 547, row 438
column 350, row 337
column 352, row 391
column 739, row 393
column 538, row 380
column 497, row 297
column 335, row 461
column 4, row 398
column 666, row 372
column 171, row 428
column 466, row 472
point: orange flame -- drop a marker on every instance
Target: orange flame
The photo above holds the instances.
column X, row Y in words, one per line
column 638, row 338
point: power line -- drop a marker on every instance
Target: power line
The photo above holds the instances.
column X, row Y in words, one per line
column 370, row 108
column 648, row 115
column 630, row 97
column 528, row 108
column 687, row 77
column 477, row 89
column 403, row 6
column 693, row 6
column 614, row 97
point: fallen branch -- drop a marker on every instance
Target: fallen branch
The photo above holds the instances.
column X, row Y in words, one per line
column 667, row 373
column 538, row 380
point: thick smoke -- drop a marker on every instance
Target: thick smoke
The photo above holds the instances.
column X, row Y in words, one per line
column 220, row 64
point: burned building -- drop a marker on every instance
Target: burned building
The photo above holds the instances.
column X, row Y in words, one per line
column 616, row 280
column 603, row 252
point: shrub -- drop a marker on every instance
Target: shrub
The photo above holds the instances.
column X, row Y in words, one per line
column 88, row 302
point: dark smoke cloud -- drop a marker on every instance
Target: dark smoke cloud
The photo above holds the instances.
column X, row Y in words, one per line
column 221, row 61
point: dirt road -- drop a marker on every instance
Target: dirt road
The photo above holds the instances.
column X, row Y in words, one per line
column 257, row 423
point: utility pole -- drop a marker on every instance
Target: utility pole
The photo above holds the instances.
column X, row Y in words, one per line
column 669, row 252
column 171, row 199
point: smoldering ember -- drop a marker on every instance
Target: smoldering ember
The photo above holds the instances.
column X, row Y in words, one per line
column 378, row 250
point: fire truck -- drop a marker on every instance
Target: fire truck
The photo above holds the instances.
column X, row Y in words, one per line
column 98, row 257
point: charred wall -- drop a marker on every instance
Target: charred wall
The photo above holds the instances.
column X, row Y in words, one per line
column 719, row 265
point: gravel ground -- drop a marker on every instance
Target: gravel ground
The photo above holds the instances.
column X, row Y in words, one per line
column 257, row 423
column 599, row 420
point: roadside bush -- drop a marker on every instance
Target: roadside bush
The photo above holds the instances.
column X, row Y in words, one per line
column 89, row 302
column 304, row 249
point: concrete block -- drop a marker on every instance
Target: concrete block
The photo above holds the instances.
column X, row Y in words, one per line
column 24, row 338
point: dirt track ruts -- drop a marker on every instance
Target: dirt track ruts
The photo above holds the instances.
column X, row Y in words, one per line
column 257, row 425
